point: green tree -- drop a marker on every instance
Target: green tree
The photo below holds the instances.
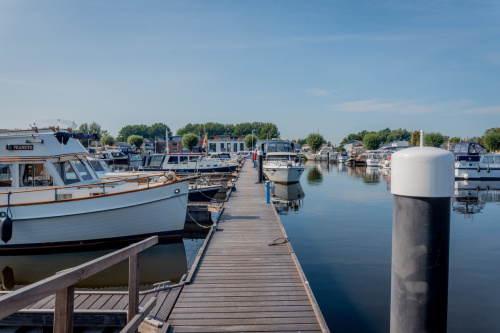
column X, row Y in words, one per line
column 315, row 140
column 189, row 140
column 415, row 139
column 455, row 140
column 433, row 139
column 92, row 128
column 135, row 140
column 492, row 141
column 159, row 130
column 400, row 135
column 354, row 136
column 107, row 140
column 492, row 130
column 250, row 140
column 126, row 131
column 371, row 141
column 384, row 135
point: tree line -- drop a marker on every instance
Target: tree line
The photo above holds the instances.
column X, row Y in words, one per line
column 134, row 135
column 261, row 130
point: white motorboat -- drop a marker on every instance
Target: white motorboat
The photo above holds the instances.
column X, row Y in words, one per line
column 325, row 154
column 185, row 163
column 50, row 197
column 473, row 162
column 282, row 167
column 373, row 157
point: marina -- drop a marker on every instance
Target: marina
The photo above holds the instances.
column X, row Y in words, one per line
column 241, row 276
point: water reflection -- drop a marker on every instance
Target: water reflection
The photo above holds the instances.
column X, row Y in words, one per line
column 162, row 262
column 287, row 197
column 372, row 176
column 314, row 176
column 470, row 197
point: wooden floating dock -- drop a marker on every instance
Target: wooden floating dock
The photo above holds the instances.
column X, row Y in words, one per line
column 246, row 278
column 241, row 283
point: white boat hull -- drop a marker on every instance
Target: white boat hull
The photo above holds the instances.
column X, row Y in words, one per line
column 476, row 170
column 99, row 219
column 283, row 174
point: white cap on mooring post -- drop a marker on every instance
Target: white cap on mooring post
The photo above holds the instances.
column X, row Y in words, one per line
column 423, row 172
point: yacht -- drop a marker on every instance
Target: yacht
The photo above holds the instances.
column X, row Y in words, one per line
column 186, row 163
column 325, row 154
column 473, row 162
column 373, row 158
column 50, row 197
column 282, row 167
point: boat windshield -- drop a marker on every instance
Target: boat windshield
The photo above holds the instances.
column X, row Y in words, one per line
column 96, row 164
column 83, row 170
column 274, row 147
column 67, row 173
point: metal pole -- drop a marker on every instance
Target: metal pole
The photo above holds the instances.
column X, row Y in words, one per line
column 260, row 157
column 268, row 192
column 422, row 181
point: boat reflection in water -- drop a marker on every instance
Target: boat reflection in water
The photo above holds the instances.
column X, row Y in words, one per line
column 160, row 263
column 287, row 197
column 471, row 196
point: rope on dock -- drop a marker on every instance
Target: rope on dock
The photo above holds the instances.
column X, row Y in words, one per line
column 284, row 241
column 192, row 218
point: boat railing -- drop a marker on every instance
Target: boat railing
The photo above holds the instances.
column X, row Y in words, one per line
column 109, row 182
column 62, row 284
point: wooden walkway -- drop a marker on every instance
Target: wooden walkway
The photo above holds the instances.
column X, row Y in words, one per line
column 242, row 283
column 93, row 308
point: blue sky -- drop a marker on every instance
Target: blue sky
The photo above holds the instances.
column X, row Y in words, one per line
column 336, row 67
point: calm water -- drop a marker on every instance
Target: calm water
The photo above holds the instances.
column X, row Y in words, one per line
column 340, row 223
column 339, row 220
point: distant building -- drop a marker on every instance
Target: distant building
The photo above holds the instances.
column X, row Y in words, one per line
column 226, row 143
column 394, row 145
column 348, row 146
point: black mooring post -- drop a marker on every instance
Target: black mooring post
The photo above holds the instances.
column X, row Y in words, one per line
column 260, row 158
column 422, row 181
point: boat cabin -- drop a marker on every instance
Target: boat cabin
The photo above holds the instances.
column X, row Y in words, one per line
column 468, row 151
column 156, row 161
column 41, row 158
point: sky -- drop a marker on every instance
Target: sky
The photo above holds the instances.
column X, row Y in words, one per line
column 328, row 67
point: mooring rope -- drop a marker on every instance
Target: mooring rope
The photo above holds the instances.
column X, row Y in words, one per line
column 192, row 218
column 275, row 242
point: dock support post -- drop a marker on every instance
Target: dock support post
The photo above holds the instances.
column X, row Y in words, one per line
column 260, row 157
column 268, row 192
column 422, row 181
column 133, row 286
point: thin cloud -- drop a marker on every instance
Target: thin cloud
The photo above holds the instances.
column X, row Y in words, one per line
column 321, row 92
column 485, row 110
column 410, row 107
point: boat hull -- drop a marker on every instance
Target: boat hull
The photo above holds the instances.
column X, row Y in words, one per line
column 98, row 220
column 476, row 171
column 283, row 175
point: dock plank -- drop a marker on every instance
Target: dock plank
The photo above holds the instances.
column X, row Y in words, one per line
column 243, row 283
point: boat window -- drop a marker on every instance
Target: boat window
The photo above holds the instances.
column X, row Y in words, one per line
column 155, row 161
column 479, row 149
column 183, row 158
column 488, row 159
column 194, row 158
column 464, row 148
column 67, row 173
column 5, row 175
column 83, row 170
column 35, row 174
column 173, row 159
column 96, row 165
column 457, row 148
column 497, row 159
